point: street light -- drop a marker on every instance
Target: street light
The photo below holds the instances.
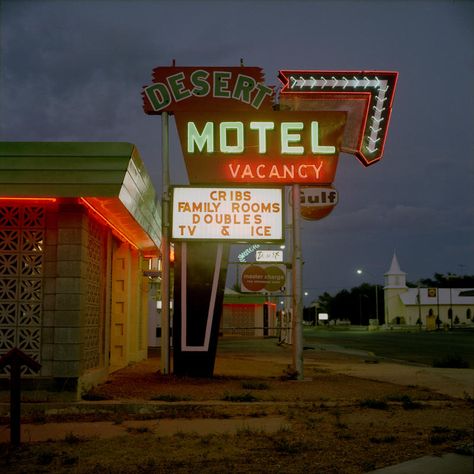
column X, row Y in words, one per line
column 360, row 272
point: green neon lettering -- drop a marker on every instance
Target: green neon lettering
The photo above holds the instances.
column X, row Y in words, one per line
column 199, row 81
column 287, row 137
column 262, row 128
column 239, row 129
column 201, row 140
column 262, row 92
column 158, row 95
column 178, row 89
column 221, row 83
column 243, row 88
column 315, row 146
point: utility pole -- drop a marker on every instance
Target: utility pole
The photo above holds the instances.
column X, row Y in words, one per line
column 165, row 248
column 297, row 286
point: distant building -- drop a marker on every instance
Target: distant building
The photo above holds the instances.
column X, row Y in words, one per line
column 431, row 307
column 248, row 314
column 78, row 225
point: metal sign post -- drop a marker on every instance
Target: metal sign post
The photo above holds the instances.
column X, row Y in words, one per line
column 165, row 248
column 297, row 299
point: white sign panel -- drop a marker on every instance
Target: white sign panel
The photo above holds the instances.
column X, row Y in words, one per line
column 238, row 214
column 269, row 255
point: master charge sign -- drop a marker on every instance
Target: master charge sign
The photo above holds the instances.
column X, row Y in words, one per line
column 238, row 214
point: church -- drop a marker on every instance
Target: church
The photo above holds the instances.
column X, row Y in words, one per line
column 430, row 308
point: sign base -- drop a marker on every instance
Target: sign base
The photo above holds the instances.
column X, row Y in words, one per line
column 200, row 275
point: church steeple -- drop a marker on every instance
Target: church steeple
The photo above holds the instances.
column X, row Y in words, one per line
column 395, row 278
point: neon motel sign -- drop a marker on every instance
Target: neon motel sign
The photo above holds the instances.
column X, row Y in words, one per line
column 268, row 147
column 230, row 132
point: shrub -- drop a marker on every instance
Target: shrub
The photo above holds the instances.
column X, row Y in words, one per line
column 166, row 397
column 383, row 439
column 452, row 361
column 46, row 457
column 255, row 385
column 239, row 397
column 289, row 374
column 375, row 404
column 71, row 438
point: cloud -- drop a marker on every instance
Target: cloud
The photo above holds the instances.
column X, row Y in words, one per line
column 381, row 218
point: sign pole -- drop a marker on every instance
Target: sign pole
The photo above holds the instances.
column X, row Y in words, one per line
column 165, row 248
column 297, row 286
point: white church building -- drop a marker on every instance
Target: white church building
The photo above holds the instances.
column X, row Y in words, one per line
column 432, row 308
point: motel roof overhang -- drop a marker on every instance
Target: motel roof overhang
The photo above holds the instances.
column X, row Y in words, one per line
column 109, row 176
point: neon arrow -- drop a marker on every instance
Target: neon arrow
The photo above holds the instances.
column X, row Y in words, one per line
column 376, row 87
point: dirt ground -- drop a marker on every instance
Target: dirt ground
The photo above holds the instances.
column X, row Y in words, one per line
column 352, row 413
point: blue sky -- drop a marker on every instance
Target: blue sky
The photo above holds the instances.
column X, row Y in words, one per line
column 74, row 70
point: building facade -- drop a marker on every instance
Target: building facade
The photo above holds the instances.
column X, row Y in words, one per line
column 78, row 223
column 248, row 315
column 430, row 308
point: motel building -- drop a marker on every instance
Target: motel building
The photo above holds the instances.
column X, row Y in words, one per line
column 79, row 224
column 430, row 308
column 251, row 315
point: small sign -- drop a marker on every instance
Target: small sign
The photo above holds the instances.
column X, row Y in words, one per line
column 262, row 278
column 227, row 214
column 269, row 255
column 432, row 293
column 323, row 316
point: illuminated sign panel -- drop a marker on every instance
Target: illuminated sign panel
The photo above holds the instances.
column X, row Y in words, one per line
column 317, row 201
column 262, row 278
column 235, row 214
column 272, row 147
column 367, row 96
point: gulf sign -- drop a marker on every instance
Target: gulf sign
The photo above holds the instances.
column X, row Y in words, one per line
column 227, row 214
column 317, row 201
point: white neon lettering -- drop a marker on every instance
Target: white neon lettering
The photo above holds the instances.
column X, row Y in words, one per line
column 315, row 146
column 261, row 128
column 224, row 127
column 232, row 138
column 201, row 140
column 287, row 137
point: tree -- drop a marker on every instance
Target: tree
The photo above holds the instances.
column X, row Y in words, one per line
column 450, row 280
column 357, row 305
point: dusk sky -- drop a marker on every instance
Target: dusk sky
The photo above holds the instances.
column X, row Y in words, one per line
column 74, row 71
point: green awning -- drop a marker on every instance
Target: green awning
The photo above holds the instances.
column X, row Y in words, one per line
column 111, row 175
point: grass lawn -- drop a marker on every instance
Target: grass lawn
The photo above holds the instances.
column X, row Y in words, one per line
column 422, row 347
